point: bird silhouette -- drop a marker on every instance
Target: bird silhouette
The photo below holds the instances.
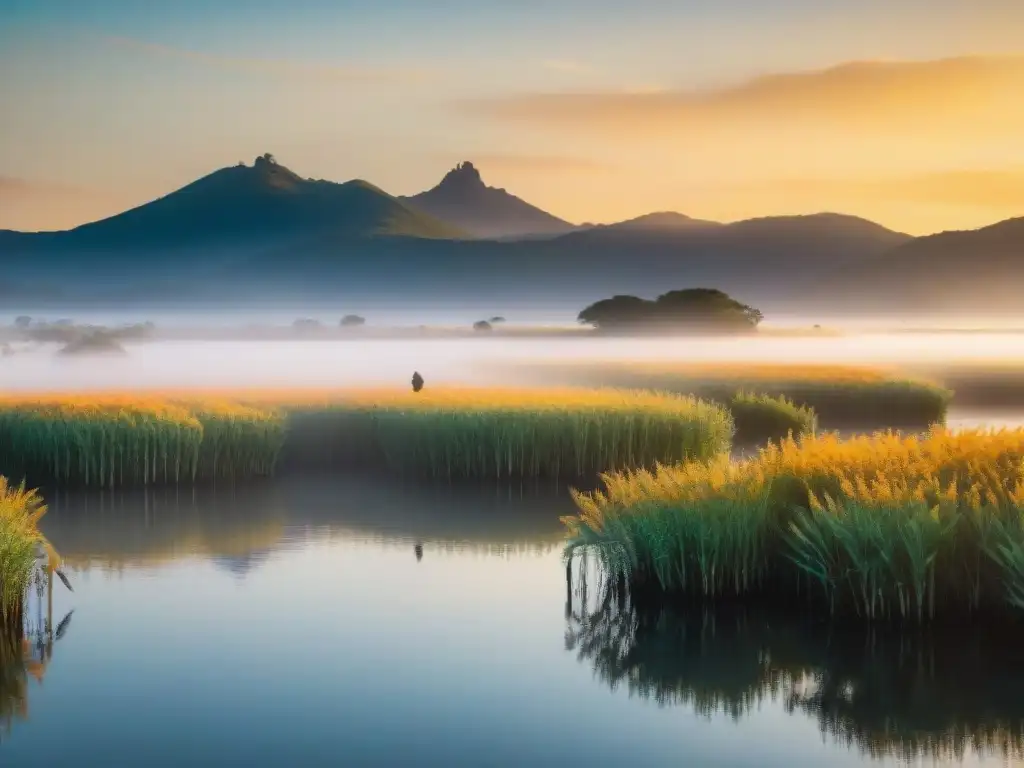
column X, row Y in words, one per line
column 417, row 381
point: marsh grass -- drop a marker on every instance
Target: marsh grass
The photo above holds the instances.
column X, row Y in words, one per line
column 115, row 440
column 980, row 384
column 110, row 441
column 465, row 434
column 762, row 418
column 20, row 510
column 878, row 527
column 841, row 396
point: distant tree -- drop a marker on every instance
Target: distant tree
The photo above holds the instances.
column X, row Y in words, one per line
column 618, row 311
column 22, row 321
column 352, row 320
column 692, row 309
column 270, row 158
column 496, row 319
column 482, row 325
column 706, row 306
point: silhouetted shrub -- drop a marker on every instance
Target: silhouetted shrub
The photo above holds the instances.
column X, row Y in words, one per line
column 694, row 309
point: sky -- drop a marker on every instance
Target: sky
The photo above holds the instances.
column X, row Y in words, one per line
column 907, row 112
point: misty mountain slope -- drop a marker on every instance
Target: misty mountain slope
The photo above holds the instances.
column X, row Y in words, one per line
column 659, row 221
column 759, row 264
column 464, row 201
column 784, row 249
column 978, row 271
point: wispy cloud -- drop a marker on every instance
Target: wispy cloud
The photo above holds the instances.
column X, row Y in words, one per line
column 972, row 96
column 278, row 68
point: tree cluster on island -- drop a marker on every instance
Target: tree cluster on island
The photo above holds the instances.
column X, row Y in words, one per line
column 691, row 310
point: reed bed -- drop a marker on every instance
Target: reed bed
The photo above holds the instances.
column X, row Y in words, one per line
column 841, row 396
column 880, row 527
column 763, row 418
column 20, row 510
column 115, row 440
column 482, row 434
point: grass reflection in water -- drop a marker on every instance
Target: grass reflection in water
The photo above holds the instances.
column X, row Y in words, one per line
column 889, row 694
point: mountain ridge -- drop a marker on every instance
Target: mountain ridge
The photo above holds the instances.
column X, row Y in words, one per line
column 253, row 202
column 255, row 231
column 463, row 199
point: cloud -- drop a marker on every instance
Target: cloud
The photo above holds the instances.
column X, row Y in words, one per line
column 949, row 98
column 279, row 68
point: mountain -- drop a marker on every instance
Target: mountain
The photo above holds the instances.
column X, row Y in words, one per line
column 465, row 202
column 665, row 221
column 810, row 242
column 977, row 271
column 260, row 233
column 768, row 263
column 194, row 233
column 241, row 203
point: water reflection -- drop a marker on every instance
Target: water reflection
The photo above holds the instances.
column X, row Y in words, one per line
column 239, row 529
column 28, row 656
column 888, row 695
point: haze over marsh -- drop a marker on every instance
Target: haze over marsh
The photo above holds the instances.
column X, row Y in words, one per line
column 479, row 383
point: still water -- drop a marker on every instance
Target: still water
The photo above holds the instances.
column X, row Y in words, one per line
column 348, row 622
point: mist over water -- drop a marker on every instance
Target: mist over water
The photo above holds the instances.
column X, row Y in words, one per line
column 471, row 361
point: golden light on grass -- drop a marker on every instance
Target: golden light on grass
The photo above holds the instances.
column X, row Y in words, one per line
column 865, row 397
column 882, row 526
column 20, row 511
column 114, row 439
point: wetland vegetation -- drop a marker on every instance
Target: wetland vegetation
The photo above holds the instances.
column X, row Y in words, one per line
column 109, row 440
column 20, row 539
column 731, row 531
column 842, row 396
column 878, row 528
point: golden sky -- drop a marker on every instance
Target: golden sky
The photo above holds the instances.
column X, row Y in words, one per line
column 908, row 113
